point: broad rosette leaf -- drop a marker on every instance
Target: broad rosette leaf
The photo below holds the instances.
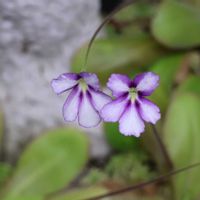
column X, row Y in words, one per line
column 181, row 134
column 48, row 164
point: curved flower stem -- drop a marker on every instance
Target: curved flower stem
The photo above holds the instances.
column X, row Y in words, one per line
column 105, row 21
column 163, row 148
column 143, row 184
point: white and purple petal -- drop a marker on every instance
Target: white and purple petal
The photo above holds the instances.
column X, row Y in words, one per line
column 118, row 84
column 71, row 105
column 99, row 99
column 130, row 122
column 146, row 83
column 91, row 79
column 87, row 115
column 148, row 110
column 64, row 82
column 112, row 111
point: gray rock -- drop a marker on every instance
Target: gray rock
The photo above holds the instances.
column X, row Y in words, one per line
column 37, row 40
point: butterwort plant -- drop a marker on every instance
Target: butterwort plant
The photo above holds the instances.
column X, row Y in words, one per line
column 84, row 100
column 87, row 103
column 130, row 106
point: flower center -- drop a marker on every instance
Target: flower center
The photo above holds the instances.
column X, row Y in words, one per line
column 83, row 85
column 133, row 94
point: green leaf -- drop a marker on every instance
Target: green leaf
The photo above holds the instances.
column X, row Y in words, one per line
column 191, row 84
column 166, row 68
column 118, row 141
column 181, row 135
column 136, row 11
column 82, row 193
column 5, row 171
column 49, row 163
column 177, row 25
column 119, row 54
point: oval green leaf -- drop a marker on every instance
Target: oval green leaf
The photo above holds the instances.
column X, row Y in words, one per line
column 181, row 135
column 49, row 163
column 177, row 25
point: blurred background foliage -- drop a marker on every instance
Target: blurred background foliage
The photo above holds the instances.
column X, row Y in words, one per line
column 159, row 36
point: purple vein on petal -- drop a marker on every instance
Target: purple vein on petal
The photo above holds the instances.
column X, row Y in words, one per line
column 87, row 116
column 64, row 82
column 99, row 99
column 146, row 83
column 91, row 80
column 118, row 84
column 130, row 122
column 70, row 107
column 112, row 111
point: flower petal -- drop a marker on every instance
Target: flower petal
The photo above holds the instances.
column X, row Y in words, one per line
column 87, row 116
column 64, row 82
column 148, row 111
column 119, row 84
column 113, row 110
column 71, row 105
column 130, row 122
column 91, row 79
column 99, row 99
column 146, row 83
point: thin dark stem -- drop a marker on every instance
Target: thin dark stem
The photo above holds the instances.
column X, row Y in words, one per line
column 2, row 142
column 163, row 148
column 143, row 184
column 105, row 21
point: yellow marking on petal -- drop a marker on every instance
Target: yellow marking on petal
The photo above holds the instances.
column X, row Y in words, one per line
column 83, row 85
column 133, row 94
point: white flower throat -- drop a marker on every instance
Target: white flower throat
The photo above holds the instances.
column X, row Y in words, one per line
column 133, row 94
column 83, row 85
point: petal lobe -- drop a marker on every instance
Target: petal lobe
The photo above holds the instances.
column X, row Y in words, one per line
column 87, row 116
column 64, row 82
column 130, row 122
column 99, row 99
column 118, row 84
column 146, row 83
column 112, row 111
column 70, row 107
column 149, row 111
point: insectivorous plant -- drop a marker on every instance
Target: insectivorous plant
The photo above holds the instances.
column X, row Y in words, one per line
column 85, row 99
column 130, row 107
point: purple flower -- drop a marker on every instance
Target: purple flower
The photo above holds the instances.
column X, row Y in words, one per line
column 85, row 99
column 130, row 106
